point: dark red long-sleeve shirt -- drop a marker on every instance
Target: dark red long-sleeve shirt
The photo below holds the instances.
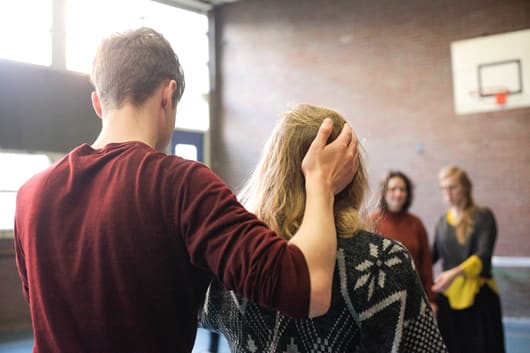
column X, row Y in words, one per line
column 409, row 230
column 115, row 249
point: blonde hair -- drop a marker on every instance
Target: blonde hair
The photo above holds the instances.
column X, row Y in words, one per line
column 464, row 226
column 275, row 191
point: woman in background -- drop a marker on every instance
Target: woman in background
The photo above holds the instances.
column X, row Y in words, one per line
column 393, row 219
column 377, row 301
column 469, row 310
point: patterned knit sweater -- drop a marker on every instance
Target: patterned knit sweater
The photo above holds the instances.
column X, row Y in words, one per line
column 378, row 305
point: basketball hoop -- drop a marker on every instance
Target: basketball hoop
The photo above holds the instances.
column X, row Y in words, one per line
column 500, row 97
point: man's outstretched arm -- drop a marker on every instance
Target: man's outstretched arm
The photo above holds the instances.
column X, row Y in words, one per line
column 328, row 168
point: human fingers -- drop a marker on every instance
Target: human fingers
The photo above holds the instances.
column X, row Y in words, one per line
column 346, row 135
column 351, row 155
column 355, row 151
column 345, row 152
column 322, row 136
column 440, row 284
column 436, row 284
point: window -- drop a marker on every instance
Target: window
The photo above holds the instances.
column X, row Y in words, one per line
column 186, row 31
column 18, row 168
column 25, row 31
column 187, row 151
column 27, row 36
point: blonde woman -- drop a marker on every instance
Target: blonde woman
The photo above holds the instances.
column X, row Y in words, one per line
column 469, row 311
column 378, row 303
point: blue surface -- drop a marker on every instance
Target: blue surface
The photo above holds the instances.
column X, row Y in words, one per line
column 17, row 346
column 517, row 332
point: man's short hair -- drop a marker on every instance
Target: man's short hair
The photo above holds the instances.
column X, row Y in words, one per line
column 130, row 66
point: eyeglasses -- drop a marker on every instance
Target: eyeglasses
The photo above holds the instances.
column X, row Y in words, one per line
column 449, row 187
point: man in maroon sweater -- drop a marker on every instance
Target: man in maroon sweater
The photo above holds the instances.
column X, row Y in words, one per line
column 117, row 242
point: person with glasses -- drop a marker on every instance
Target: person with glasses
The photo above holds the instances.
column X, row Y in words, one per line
column 469, row 310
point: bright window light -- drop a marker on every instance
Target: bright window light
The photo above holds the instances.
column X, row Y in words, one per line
column 186, row 151
column 25, row 31
column 187, row 32
column 21, row 167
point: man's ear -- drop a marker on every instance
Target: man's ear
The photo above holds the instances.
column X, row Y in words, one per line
column 167, row 94
column 96, row 104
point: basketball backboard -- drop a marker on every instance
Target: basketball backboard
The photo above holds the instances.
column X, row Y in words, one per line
column 491, row 73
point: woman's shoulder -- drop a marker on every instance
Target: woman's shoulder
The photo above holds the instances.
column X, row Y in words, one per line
column 365, row 239
column 367, row 251
column 377, row 213
column 377, row 275
column 484, row 211
column 484, row 216
column 442, row 220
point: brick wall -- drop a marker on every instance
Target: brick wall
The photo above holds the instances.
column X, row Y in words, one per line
column 386, row 66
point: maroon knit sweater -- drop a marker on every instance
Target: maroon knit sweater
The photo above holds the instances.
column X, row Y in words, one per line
column 116, row 247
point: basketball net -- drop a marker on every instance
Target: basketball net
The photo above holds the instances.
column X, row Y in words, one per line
column 501, row 97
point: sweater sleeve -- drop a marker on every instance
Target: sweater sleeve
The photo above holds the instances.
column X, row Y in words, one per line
column 421, row 330
column 400, row 318
column 485, row 231
column 216, row 307
column 472, row 266
column 246, row 256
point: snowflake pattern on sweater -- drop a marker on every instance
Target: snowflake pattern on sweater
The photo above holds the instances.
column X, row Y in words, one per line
column 378, row 305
